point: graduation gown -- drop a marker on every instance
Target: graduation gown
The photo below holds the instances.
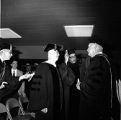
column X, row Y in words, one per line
column 68, row 78
column 46, row 91
column 95, row 93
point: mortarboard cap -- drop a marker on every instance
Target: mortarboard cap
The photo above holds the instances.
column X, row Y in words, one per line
column 52, row 46
column 4, row 46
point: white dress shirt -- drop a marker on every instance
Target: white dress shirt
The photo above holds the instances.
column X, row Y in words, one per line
column 14, row 72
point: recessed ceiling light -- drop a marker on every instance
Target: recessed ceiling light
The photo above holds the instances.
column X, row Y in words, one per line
column 79, row 30
column 7, row 33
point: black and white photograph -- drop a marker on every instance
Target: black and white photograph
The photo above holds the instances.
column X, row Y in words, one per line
column 60, row 60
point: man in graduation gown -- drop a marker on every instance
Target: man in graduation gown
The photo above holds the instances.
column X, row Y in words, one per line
column 95, row 90
column 46, row 94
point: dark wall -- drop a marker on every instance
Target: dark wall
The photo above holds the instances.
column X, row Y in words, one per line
column 42, row 21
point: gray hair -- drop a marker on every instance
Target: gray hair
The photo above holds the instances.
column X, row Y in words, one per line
column 98, row 48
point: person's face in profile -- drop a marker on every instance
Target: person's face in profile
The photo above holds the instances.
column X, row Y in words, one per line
column 72, row 58
column 7, row 54
column 54, row 54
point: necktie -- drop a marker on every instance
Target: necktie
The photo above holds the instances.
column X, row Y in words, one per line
column 13, row 72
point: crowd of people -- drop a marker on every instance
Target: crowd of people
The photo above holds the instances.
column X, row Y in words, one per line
column 64, row 91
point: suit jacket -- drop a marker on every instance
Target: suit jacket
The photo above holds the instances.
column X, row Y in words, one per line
column 18, row 72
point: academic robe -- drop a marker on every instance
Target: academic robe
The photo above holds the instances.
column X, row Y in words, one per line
column 95, row 93
column 74, row 92
column 68, row 78
column 46, row 91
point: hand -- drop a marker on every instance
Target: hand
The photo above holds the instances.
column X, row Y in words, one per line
column 44, row 110
column 78, row 84
column 3, row 85
column 25, row 76
column 66, row 56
